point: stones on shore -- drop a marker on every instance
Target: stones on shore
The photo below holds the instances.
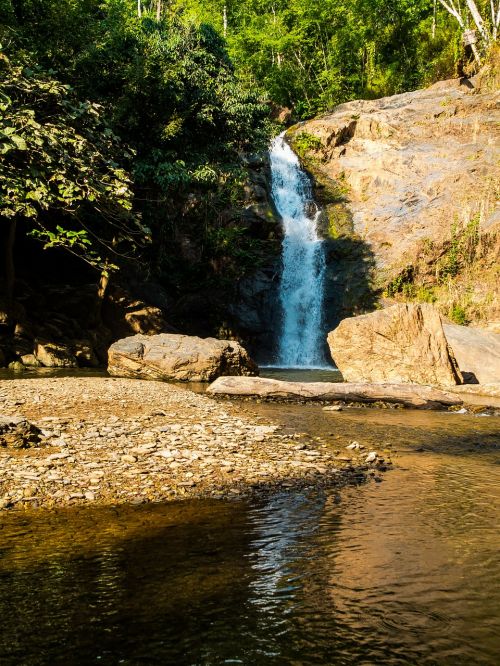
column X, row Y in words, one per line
column 138, row 441
column 178, row 357
column 17, row 432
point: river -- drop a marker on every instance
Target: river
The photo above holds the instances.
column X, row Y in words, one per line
column 400, row 572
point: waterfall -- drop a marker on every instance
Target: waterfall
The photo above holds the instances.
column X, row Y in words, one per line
column 301, row 340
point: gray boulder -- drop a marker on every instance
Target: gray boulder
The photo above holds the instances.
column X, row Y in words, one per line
column 477, row 352
column 178, row 358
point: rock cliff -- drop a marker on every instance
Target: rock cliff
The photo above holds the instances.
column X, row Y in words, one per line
column 413, row 180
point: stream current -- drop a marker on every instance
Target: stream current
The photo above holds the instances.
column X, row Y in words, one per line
column 399, row 572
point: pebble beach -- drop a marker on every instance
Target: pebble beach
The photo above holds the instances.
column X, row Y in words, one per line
column 113, row 441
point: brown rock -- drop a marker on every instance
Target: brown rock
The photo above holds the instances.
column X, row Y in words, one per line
column 18, row 433
column 407, row 394
column 55, row 355
column 401, row 344
column 477, row 352
column 402, row 159
column 30, row 360
column 178, row 357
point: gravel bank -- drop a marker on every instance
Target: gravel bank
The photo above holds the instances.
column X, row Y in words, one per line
column 110, row 441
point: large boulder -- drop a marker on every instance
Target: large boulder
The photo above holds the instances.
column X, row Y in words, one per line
column 401, row 344
column 477, row 353
column 178, row 358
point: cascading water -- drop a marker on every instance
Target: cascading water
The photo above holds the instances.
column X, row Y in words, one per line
column 302, row 283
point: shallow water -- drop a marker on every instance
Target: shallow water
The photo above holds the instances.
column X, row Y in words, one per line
column 399, row 572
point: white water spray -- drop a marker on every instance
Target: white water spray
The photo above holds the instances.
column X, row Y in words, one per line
column 302, row 283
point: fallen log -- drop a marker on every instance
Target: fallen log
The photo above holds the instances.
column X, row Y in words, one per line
column 411, row 395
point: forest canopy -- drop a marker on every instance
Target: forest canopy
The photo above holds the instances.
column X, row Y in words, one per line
column 124, row 124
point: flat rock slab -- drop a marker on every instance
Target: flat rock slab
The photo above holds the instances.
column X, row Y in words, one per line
column 178, row 358
column 411, row 395
column 485, row 395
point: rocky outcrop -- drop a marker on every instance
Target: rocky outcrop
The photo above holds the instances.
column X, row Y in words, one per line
column 477, row 353
column 409, row 395
column 178, row 358
column 401, row 344
column 415, row 173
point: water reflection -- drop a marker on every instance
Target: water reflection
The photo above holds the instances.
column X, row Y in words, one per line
column 403, row 572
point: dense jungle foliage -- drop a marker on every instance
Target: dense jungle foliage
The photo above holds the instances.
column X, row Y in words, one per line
column 124, row 124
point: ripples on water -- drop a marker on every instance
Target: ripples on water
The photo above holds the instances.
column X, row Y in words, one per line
column 403, row 572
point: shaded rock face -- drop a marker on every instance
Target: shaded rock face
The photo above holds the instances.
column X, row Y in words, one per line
column 477, row 353
column 257, row 312
column 178, row 358
column 401, row 344
column 59, row 326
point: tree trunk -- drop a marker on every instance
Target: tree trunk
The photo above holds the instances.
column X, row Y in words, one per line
column 478, row 20
column 101, row 293
column 158, row 10
column 139, row 8
column 10, row 274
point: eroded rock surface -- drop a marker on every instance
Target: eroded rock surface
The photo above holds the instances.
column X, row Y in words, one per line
column 399, row 345
column 411, row 162
column 178, row 357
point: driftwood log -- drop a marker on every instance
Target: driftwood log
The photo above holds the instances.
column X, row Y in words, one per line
column 411, row 395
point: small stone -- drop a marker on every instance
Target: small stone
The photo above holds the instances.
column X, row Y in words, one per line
column 89, row 496
column 371, row 457
column 128, row 458
column 332, row 408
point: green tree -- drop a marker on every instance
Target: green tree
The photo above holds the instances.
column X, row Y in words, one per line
column 59, row 174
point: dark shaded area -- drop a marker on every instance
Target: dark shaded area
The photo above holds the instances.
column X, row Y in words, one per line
column 349, row 283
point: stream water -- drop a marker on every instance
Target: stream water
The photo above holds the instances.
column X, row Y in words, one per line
column 400, row 572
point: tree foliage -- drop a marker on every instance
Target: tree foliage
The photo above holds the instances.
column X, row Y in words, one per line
column 58, row 156
column 115, row 124
column 312, row 54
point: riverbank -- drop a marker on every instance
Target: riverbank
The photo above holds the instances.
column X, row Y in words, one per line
column 113, row 441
